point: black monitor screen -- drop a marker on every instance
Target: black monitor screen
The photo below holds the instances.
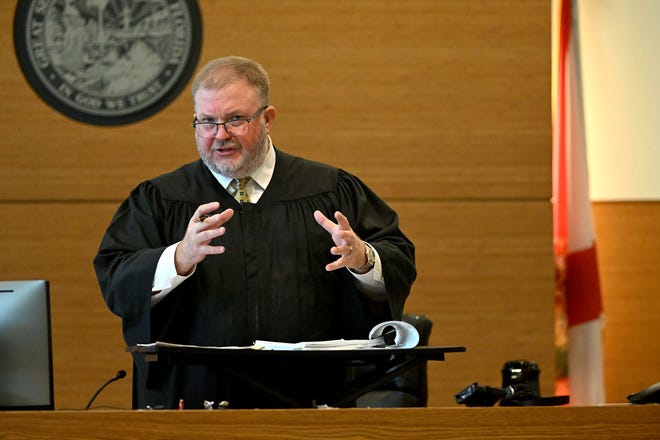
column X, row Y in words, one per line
column 26, row 366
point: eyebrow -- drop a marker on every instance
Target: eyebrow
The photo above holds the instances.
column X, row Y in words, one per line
column 232, row 114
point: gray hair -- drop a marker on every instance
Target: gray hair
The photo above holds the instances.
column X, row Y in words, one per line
column 220, row 72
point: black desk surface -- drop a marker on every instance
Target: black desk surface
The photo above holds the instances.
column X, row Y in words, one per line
column 189, row 352
column 384, row 364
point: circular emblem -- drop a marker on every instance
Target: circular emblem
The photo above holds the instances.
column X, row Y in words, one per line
column 107, row 62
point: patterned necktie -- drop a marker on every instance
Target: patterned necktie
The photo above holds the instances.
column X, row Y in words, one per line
column 241, row 194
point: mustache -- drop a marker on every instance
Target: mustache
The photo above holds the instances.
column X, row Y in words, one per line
column 217, row 145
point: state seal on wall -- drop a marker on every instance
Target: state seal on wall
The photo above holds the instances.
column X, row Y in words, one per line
column 107, row 62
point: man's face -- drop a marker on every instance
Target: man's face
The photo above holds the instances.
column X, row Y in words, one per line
column 233, row 155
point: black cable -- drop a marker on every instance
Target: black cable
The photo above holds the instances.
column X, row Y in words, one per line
column 120, row 375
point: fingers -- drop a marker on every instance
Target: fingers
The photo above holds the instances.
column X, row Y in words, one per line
column 203, row 211
column 342, row 221
column 204, row 226
column 342, row 250
column 348, row 246
column 205, row 214
column 324, row 221
column 350, row 255
column 327, row 224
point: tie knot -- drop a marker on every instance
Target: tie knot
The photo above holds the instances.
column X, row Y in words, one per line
column 241, row 194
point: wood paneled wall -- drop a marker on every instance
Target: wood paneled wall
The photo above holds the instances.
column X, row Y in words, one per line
column 450, row 99
column 628, row 247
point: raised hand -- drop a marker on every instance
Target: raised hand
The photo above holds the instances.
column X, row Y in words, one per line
column 202, row 228
column 347, row 244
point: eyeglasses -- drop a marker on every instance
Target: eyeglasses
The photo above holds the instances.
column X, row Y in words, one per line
column 235, row 127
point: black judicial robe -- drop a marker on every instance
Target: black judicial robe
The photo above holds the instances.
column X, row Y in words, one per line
column 270, row 283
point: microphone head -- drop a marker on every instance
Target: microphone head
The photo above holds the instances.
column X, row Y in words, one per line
column 120, row 374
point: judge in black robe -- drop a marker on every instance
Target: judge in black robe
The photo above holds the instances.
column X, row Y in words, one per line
column 271, row 282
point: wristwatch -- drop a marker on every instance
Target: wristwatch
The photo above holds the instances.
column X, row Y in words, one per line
column 371, row 260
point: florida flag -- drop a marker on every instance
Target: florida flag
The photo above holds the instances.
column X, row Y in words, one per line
column 578, row 298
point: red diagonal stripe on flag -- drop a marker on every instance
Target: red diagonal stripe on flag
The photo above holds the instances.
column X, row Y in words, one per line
column 583, row 299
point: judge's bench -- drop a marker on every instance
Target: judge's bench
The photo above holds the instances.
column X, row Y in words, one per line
column 603, row 422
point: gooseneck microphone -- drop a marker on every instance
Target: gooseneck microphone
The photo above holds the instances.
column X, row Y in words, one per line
column 120, row 375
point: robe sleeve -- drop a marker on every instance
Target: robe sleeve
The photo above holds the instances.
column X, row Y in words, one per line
column 378, row 224
column 126, row 261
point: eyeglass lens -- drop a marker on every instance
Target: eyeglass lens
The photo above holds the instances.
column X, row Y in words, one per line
column 236, row 127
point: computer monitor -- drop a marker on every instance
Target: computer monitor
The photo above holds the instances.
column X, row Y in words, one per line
column 26, row 361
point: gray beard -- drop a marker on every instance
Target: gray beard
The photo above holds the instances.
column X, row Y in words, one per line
column 241, row 169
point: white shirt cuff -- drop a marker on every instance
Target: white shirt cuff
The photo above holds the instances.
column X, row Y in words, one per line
column 372, row 282
column 166, row 278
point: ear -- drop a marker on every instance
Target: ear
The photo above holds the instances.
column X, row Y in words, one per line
column 269, row 116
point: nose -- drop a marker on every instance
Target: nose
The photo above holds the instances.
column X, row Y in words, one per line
column 223, row 133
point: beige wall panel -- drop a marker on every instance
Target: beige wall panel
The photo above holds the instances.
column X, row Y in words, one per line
column 486, row 280
column 460, row 286
column 628, row 246
column 450, row 94
column 57, row 242
column 491, row 292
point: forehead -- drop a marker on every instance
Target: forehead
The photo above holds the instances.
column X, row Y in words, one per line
column 237, row 96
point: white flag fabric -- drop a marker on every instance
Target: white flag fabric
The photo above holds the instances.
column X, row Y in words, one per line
column 574, row 237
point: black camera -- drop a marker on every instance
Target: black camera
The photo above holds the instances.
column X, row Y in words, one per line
column 477, row 395
column 520, row 387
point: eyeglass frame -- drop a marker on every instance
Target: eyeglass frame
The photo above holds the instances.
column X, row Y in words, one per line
column 196, row 122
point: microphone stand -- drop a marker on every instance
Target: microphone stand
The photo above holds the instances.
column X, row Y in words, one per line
column 120, row 375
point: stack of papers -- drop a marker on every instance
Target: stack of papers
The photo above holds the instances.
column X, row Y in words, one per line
column 388, row 334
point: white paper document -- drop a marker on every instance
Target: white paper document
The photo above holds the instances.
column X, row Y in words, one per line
column 388, row 334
